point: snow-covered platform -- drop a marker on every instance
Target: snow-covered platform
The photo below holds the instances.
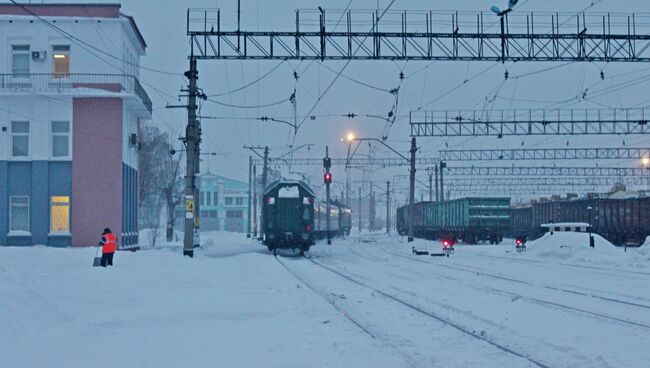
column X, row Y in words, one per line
column 362, row 302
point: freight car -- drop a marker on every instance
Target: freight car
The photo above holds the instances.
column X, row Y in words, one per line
column 622, row 221
column 340, row 220
column 288, row 215
column 468, row 219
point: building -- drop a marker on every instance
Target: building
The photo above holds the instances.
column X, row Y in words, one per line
column 70, row 107
column 223, row 203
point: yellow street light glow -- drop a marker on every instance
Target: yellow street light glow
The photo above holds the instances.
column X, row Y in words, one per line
column 350, row 137
column 60, row 56
column 645, row 161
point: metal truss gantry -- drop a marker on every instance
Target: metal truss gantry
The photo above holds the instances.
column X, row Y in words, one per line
column 528, row 122
column 428, row 35
column 545, row 154
column 516, row 191
column 547, row 181
column 547, row 171
column 353, row 162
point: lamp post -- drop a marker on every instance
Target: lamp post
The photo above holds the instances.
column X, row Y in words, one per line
column 645, row 164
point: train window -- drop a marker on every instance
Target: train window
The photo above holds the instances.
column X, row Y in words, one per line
column 305, row 214
column 567, row 229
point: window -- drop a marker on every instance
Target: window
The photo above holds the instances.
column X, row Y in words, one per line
column 61, row 60
column 209, row 199
column 213, row 214
column 239, row 201
column 20, row 55
column 20, row 138
column 228, row 201
column 60, row 214
column 216, row 198
column 202, row 198
column 19, row 213
column 234, row 214
column 60, row 139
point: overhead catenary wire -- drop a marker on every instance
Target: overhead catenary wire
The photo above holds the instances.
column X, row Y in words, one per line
column 257, row 80
column 338, row 75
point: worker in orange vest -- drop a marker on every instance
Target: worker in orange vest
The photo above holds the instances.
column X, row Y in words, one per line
column 108, row 244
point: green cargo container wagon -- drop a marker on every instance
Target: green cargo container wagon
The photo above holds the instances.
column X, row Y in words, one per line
column 470, row 219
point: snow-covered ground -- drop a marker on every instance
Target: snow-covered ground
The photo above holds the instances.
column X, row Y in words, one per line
column 362, row 302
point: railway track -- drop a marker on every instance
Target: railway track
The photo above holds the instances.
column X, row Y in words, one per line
column 430, row 315
column 363, row 327
column 566, row 265
column 541, row 301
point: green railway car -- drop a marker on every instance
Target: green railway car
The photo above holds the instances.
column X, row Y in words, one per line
column 470, row 220
column 288, row 215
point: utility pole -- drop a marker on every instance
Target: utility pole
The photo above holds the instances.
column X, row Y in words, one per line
column 437, row 184
column 347, row 188
column 360, row 210
column 250, row 193
column 192, row 136
column 265, row 176
column 388, row 207
column 265, row 172
column 443, row 165
column 430, row 187
column 254, row 201
column 371, row 214
column 327, row 163
column 414, row 149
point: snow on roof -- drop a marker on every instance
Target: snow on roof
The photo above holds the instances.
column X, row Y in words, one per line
column 566, row 224
column 289, row 192
column 288, row 183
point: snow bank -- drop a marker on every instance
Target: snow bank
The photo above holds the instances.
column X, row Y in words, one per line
column 573, row 247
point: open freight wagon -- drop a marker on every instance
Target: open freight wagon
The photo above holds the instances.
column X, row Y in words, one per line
column 469, row 220
column 622, row 221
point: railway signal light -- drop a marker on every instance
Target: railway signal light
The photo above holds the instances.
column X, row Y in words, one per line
column 327, row 162
column 327, row 178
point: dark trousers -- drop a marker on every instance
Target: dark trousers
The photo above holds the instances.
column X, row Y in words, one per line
column 107, row 259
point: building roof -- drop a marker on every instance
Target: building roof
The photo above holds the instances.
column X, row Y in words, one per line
column 230, row 182
column 78, row 10
column 62, row 10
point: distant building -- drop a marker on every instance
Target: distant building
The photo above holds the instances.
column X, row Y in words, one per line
column 223, row 203
column 69, row 119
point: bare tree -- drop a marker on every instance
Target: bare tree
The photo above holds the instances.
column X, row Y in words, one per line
column 171, row 194
column 155, row 169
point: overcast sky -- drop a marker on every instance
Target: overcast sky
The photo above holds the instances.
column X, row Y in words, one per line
column 162, row 23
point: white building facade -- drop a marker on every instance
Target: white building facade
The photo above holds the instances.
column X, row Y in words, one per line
column 70, row 107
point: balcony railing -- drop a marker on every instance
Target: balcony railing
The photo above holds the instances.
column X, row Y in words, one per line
column 74, row 83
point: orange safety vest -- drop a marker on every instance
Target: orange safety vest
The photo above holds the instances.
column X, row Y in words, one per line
column 109, row 243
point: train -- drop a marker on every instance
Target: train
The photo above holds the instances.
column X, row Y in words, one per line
column 622, row 221
column 293, row 218
column 340, row 219
column 470, row 220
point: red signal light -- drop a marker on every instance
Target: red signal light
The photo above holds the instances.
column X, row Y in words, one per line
column 308, row 228
column 327, row 178
column 518, row 241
